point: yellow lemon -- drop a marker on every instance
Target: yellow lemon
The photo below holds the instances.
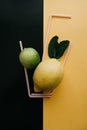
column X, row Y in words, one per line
column 47, row 75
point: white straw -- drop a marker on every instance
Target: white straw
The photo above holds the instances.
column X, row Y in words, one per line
column 48, row 30
column 21, row 46
column 25, row 71
column 60, row 15
column 38, row 95
column 67, row 54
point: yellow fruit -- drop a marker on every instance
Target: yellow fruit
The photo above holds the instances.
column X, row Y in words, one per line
column 47, row 75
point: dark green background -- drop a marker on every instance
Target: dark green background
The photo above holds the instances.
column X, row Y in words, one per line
column 19, row 20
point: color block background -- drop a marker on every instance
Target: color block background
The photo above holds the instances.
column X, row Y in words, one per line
column 67, row 108
column 19, row 20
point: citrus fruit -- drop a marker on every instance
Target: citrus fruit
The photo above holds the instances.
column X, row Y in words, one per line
column 29, row 57
column 47, row 75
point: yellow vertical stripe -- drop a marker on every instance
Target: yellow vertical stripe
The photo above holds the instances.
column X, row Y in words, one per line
column 67, row 108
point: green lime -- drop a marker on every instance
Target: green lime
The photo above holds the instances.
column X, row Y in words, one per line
column 29, row 57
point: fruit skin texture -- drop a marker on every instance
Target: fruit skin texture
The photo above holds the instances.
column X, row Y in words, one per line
column 47, row 75
column 29, row 57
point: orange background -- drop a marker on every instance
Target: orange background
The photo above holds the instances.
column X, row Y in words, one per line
column 67, row 108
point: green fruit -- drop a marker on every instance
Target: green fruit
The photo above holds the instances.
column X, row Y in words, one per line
column 29, row 58
column 47, row 75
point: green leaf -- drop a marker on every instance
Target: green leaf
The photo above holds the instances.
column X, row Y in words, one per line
column 52, row 47
column 55, row 49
